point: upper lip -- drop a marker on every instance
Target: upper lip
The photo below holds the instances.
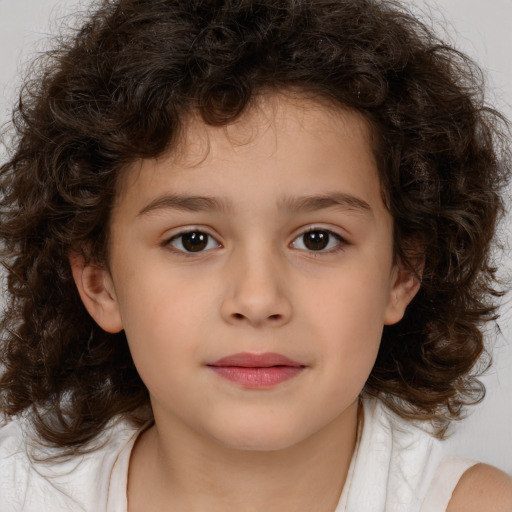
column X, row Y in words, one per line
column 249, row 360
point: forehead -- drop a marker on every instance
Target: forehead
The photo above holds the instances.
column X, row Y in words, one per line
column 283, row 145
column 267, row 117
column 294, row 114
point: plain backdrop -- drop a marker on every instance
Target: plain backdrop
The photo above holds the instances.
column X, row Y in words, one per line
column 482, row 30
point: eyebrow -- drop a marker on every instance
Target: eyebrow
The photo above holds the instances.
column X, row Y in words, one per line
column 339, row 200
column 186, row 203
column 289, row 204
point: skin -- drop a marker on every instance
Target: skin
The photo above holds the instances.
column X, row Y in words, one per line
column 482, row 488
column 256, row 287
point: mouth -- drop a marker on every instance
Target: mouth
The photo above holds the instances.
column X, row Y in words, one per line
column 256, row 371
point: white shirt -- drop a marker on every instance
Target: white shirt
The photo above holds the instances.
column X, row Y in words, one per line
column 392, row 470
column 398, row 466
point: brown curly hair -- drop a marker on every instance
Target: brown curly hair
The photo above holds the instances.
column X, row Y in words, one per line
column 121, row 89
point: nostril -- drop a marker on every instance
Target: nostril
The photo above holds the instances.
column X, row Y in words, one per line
column 238, row 316
column 274, row 317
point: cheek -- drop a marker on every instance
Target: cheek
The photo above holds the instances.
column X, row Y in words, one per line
column 353, row 301
column 349, row 322
column 352, row 341
column 162, row 321
column 161, row 297
column 349, row 354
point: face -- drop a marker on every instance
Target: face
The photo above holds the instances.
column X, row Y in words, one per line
column 253, row 272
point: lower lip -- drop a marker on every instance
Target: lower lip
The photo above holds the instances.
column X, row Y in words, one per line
column 256, row 378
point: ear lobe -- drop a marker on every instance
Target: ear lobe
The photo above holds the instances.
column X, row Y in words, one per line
column 97, row 292
column 406, row 284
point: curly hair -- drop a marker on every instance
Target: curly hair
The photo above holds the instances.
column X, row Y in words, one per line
column 122, row 87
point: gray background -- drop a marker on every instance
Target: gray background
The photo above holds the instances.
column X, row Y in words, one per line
column 481, row 29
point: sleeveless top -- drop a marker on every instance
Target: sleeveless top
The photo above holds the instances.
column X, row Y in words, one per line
column 396, row 467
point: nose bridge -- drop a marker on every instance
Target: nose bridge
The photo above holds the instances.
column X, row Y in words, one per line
column 255, row 286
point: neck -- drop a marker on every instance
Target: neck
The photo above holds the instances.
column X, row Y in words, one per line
column 178, row 469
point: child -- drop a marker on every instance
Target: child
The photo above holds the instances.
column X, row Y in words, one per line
column 247, row 251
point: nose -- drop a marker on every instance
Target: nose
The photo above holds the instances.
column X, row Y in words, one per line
column 255, row 291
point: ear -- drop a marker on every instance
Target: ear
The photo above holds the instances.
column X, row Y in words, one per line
column 405, row 283
column 97, row 292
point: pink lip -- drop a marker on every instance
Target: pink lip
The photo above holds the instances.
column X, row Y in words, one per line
column 256, row 370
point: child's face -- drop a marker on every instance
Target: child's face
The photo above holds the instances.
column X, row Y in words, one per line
column 246, row 278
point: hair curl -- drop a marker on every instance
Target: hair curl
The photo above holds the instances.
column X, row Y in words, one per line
column 121, row 89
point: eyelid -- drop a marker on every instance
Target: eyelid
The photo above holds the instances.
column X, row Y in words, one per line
column 189, row 228
column 179, row 232
column 335, row 230
column 342, row 241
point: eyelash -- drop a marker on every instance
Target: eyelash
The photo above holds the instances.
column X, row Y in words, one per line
column 184, row 252
column 340, row 245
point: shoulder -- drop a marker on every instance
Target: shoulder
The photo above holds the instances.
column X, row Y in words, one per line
column 35, row 478
column 482, row 488
column 14, row 466
column 12, row 447
column 395, row 462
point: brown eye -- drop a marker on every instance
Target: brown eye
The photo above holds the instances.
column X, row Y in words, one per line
column 193, row 241
column 317, row 240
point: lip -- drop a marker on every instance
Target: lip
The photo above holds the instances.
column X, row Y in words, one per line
column 256, row 371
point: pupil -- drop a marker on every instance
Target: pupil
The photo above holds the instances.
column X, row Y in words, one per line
column 195, row 241
column 316, row 240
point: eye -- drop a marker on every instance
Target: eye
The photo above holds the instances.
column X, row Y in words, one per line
column 317, row 240
column 193, row 241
